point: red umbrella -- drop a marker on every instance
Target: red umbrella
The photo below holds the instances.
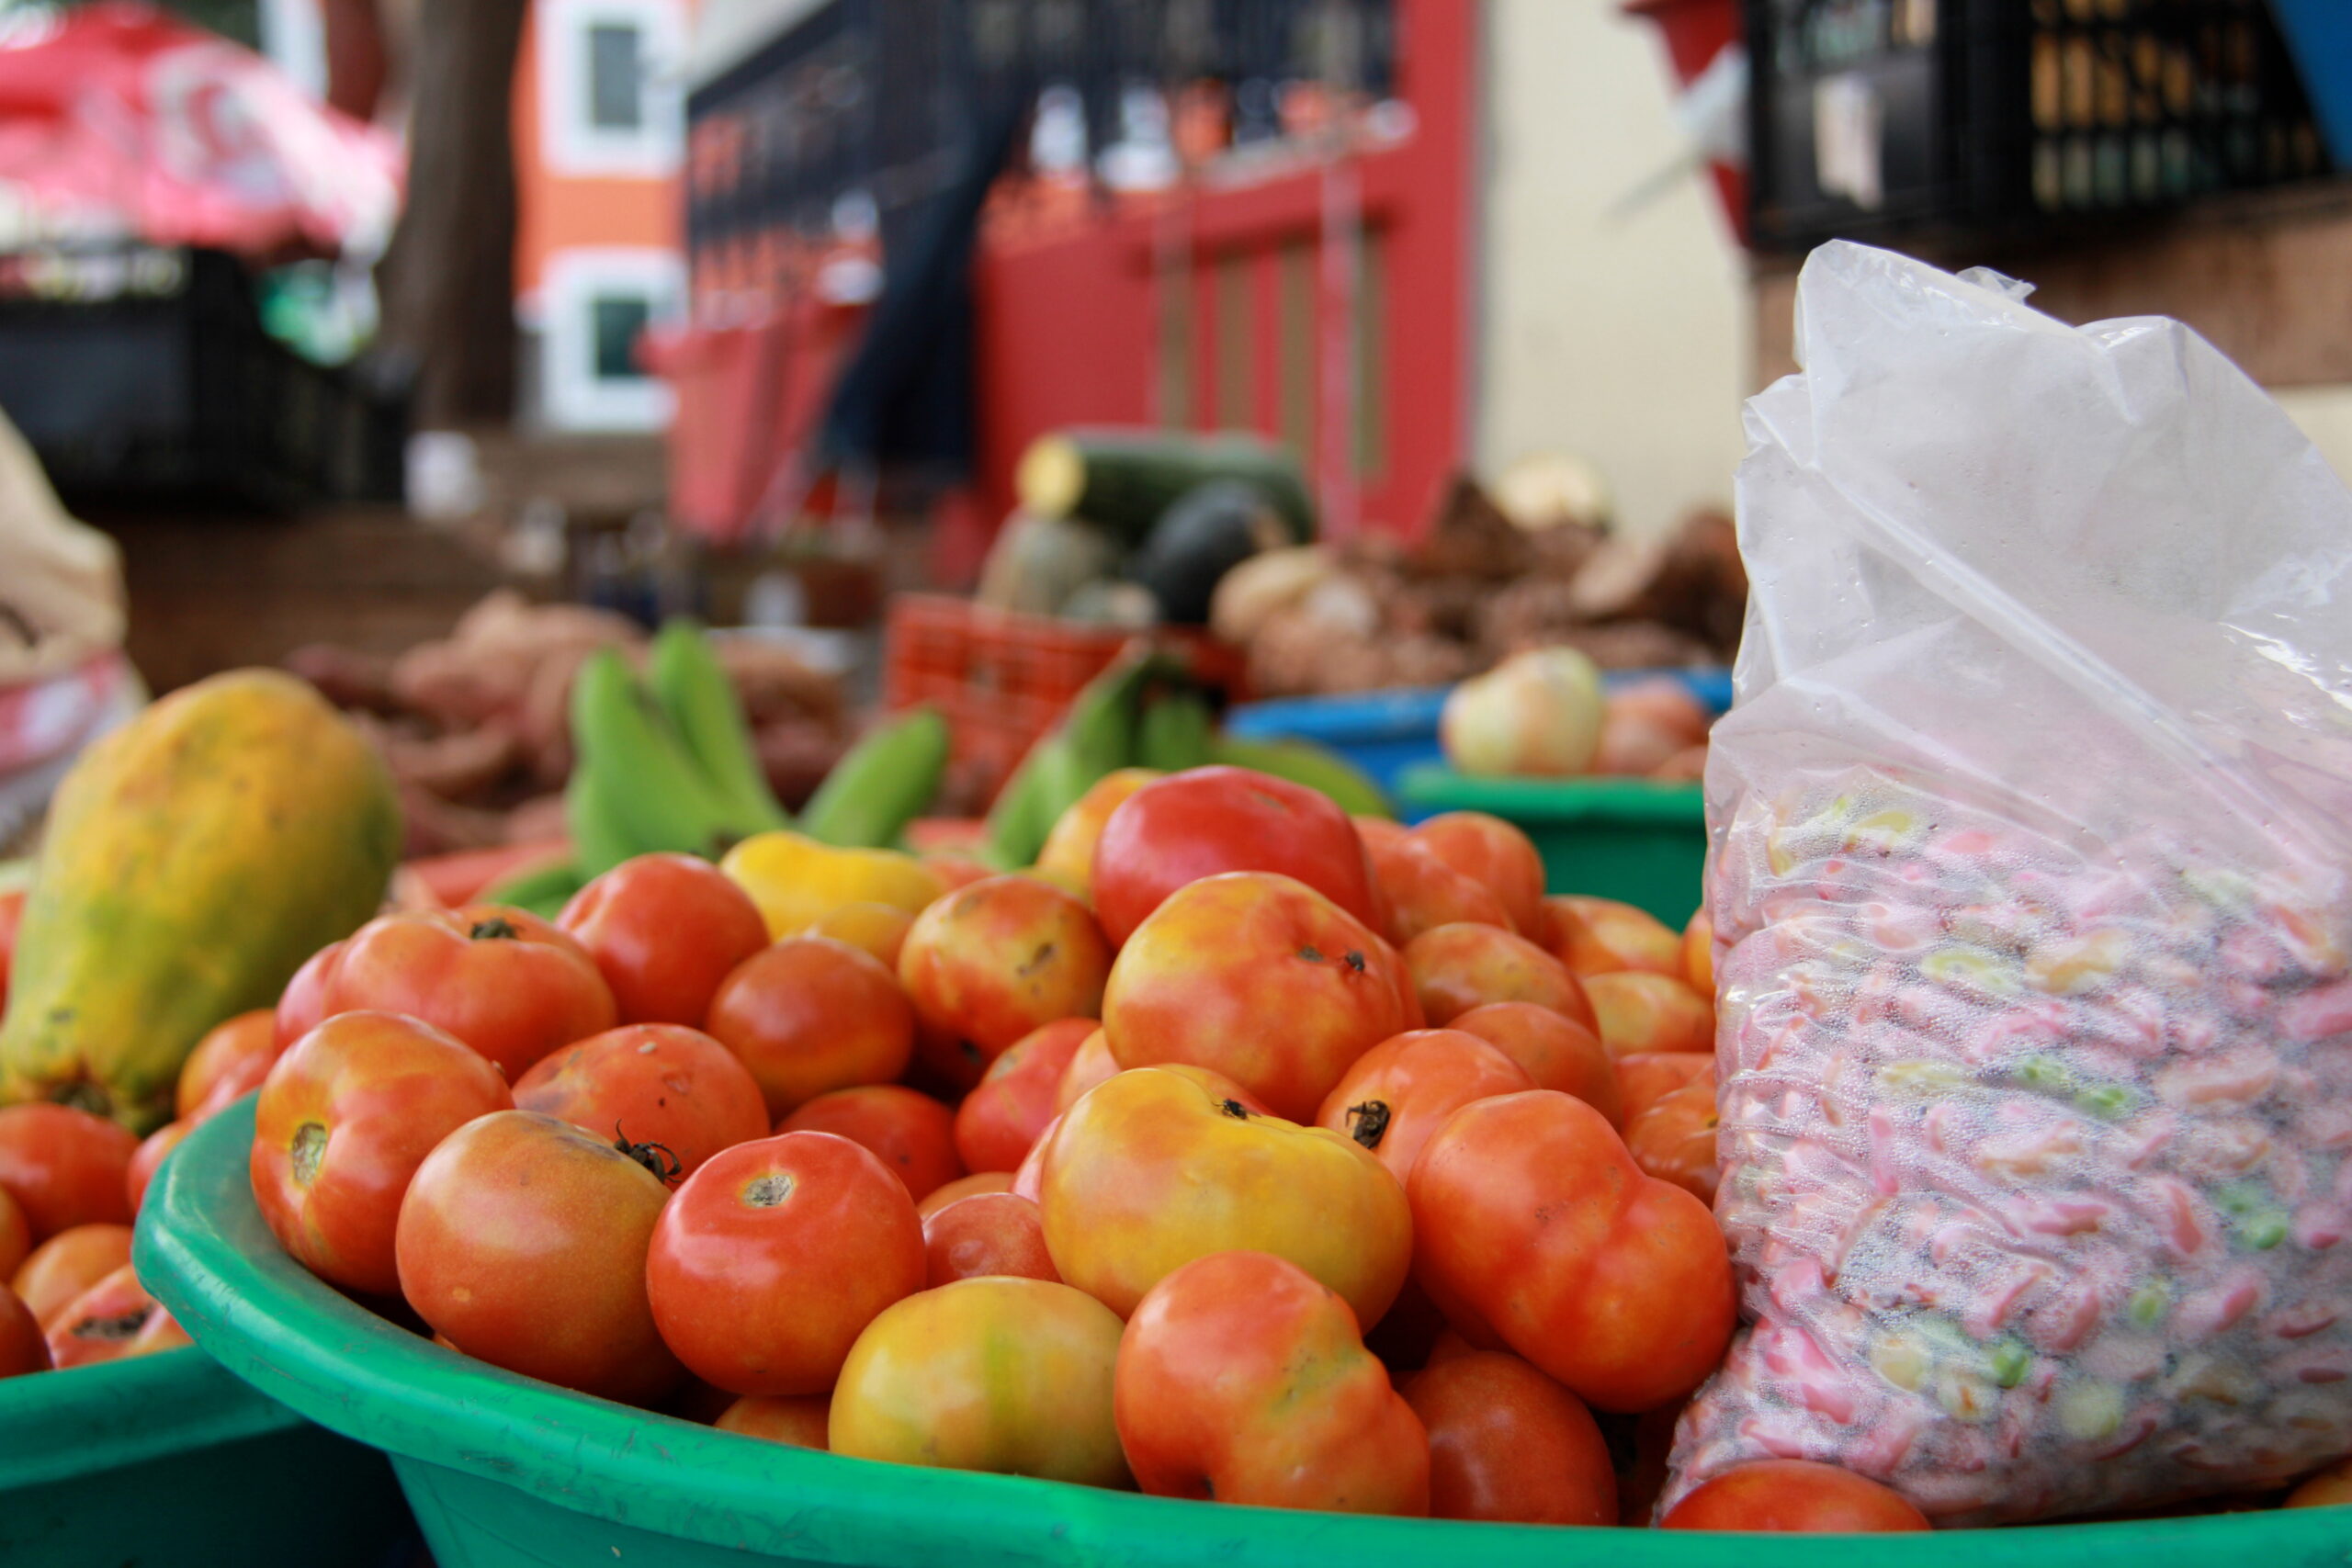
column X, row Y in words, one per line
column 119, row 122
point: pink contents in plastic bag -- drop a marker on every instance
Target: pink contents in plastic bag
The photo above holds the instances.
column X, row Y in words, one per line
column 2033, row 825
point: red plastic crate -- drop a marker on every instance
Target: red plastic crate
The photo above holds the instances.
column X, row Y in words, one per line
column 1003, row 679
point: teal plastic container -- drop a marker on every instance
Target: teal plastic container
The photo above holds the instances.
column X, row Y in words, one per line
column 502, row 1471
column 1638, row 843
column 168, row 1461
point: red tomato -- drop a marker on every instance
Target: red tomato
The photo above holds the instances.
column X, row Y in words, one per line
column 12, row 915
column 1792, row 1495
column 1243, row 1379
column 343, row 1121
column 111, row 1321
column 1402, row 1091
column 810, row 1015
column 658, row 1084
column 1558, row 1052
column 1089, row 1065
column 1492, row 853
column 503, row 980
column 908, row 1131
column 149, row 1158
column 23, row 1347
column 1509, row 1444
column 992, row 1233
column 1422, row 892
column 990, row 963
column 523, row 1240
column 1533, row 1224
column 1000, row 1120
column 309, row 997
column 1191, row 824
column 15, row 1235
column 665, row 931
column 797, row 1420
column 232, row 1058
column 1256, row 976
column 1457, row 967
column 774, row 1257
column 65, row 1167
column 979, row 1181
column 1674, row 1140
column 68, row 1264
column 1646, row 1077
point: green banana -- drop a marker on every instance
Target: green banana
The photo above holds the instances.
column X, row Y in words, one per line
column 1178, row 732
column 880, row 785
column 1018, row 823
column 701, row 704
column 657, row 796
column 543, row 890
column 598, row 840
column 1316, row 767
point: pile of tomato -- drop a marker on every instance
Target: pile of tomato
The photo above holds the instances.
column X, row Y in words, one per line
column 1245, row 1151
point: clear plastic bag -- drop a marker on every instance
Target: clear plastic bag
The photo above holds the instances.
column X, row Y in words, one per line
column 2030, row 898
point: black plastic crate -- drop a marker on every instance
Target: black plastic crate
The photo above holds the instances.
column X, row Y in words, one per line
column 1870, row 117
column 143, row 376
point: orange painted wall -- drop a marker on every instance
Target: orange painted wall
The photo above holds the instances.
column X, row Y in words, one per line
column 556, row 212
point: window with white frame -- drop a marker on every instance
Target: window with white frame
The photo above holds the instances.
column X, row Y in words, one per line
column 609, row 103
column 593, row 308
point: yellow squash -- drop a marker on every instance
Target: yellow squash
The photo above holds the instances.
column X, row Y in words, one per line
column 194, row 859
column 796, row 881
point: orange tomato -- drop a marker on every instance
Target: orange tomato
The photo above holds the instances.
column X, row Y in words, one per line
column 149, row 1158
column 1088, row 1065
column 1008, row 1375
column 1534, row 1226
column 1639, row 1011
column 1792, row 1495
column 23, row 1347
column 1258, row 977
column 67, row 1264
column 1600, row 936
column 1068, row 852
column 232, row 1058
column 1160, row 1165
column 664, row 930
column 992, row 962
column 503, row 980
column 772, row 1258
column 1457, row 967
column 303, row 1005
column 970, row 1186
column 1402, row 1091
column 345, row 1118
column 112, row 1321
column 990, row 1233
column 1558, row 1052
column 1647, row 1076
column 1423, row 892
column 1000, row 1120
column 909, row 1131
column 15, row 1234
column 1493, row 854
column 796, row 1420
column 1243, row 1379
column 1674, row 1140
column 810, row 1015
column 2329, row 1488
column 1509, row 1444
column 1699, row 954
column 650, row 1084
column 65, row 1167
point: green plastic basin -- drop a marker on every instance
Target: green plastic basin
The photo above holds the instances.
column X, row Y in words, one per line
column 168, row 1461
column 1638, row 843
column 501, row 1470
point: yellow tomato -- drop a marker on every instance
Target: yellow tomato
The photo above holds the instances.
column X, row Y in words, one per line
column 1068, row 854
column 796, row 881
column 1001, row 1374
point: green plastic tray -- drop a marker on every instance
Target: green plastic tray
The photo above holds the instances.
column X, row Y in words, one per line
column 167, row 1461
column 1639, row 842
column 501, row 1470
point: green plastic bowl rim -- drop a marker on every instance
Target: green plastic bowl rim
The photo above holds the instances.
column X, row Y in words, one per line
column 204, row 1251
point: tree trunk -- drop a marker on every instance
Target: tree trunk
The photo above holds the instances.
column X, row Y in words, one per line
column 356, row 63
column 448, row 281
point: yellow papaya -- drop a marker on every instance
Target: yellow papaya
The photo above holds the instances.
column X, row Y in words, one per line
column 193, row 860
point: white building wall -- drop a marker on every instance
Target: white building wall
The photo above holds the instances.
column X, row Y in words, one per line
column 1621, row 338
